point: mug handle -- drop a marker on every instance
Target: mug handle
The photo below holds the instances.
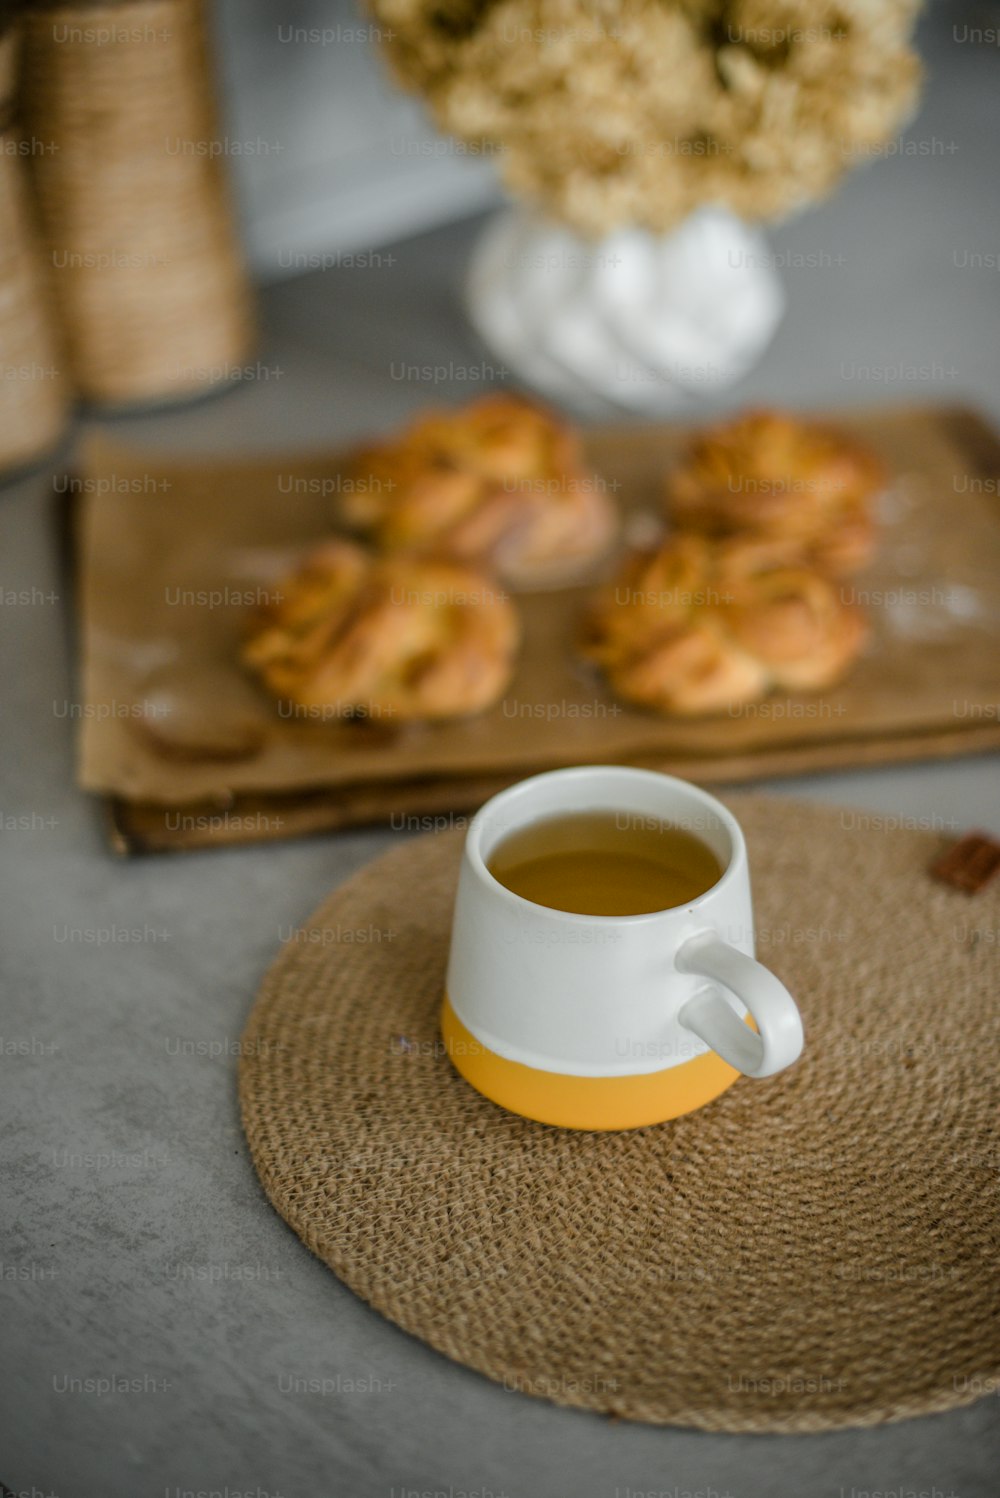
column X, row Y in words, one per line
column 777, row 1041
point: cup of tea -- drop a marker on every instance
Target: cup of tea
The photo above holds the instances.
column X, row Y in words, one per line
column 602, row 971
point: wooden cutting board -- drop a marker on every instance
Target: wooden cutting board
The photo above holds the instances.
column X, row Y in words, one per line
column 188, row 753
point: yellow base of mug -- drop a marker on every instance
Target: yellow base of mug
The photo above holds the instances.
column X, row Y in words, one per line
column 584, row 1102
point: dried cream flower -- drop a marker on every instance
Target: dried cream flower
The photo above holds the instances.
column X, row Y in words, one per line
column 635, row 112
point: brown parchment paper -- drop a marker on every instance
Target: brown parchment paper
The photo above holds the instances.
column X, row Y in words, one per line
column 173, row 554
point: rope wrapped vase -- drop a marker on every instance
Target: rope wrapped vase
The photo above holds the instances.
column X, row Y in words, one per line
column 32, row 385
column 144, row 257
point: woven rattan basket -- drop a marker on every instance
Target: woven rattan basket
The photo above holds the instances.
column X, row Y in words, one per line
column 32, row 388
column 133, row 199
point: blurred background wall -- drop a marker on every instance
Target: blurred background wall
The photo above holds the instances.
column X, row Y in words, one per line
column 328, row 155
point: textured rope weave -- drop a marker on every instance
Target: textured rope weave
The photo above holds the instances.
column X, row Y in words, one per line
column 145, row 266
column 32, row 385
column 813, row 1251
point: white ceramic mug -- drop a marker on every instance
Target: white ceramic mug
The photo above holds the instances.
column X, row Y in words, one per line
column 610, row 1022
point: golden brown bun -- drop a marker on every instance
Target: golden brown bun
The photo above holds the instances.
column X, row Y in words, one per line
column 499, row 483
column 771, row 475
column 698, row 627
column 399, row 638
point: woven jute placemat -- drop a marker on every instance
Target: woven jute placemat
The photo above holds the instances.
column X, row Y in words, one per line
column 816, row 1250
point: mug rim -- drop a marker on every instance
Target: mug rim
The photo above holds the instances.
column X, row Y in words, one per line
column 473, row 838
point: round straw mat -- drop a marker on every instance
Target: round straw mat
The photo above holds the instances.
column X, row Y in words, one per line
column 812, row 1251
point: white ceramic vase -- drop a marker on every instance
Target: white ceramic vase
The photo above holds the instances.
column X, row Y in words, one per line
column 636, row 321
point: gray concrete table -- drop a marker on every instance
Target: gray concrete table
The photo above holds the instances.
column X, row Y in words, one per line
column 137, row 1245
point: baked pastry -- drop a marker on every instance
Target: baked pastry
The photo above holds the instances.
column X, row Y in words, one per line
column 771, row 475
column 351, row 635
column 499, row 483
column 699, row 627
